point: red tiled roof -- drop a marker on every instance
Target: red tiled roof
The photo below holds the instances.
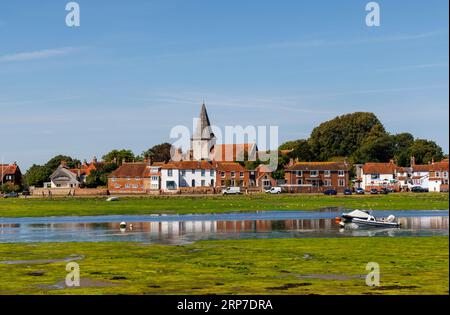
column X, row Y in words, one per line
column 318, row 166
column 233, row 152
column 230, row 167
column 439, row 166
column 8, row 169
column 263, row 168
column 131, row 170
column 379, row 168
column 421, row 168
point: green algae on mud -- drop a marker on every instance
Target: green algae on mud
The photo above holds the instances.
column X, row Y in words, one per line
column 270, row 266
column 32, row 207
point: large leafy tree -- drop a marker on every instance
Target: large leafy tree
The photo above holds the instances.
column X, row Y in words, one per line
column 37, row 175
column 159, row 153
column 99, row 177
column 343, row 135
column 54, row 162
column 119, row 156
column 301, row 150
column 402, row 143
column 425, row 151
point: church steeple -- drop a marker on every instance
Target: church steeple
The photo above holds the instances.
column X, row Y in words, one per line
column 203, row 139
column 203, row 130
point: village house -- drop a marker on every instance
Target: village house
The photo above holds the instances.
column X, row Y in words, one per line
column 316, row 177
column 379, row 175
column 438, row 180
column 63, row 177
column 10, row 174
column 131, row 178
column 264, row 178
column 231, row 174
column 184, row 175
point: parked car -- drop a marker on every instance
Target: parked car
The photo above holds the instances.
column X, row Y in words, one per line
column 274, row 190
column 330, row 192
column 360, row 191
column 418, row 189
column 348, row 192
column 231, row 191
column 26, row 193
column 374, row 191
column 11, row 195
column 384, row 191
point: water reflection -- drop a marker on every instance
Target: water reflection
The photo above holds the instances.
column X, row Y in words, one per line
column 179, row 232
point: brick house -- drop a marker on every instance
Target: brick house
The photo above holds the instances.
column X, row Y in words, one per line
column 316, row 177
column 264, row 178
column 438, row 181
column 231, row 174
column 131, row 178
column 10, row 173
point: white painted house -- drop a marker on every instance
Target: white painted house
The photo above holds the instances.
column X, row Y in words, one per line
column 187, row 174
column 378, row 175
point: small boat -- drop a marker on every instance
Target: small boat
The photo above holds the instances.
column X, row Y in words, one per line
column 382, row 222
column 364, row 218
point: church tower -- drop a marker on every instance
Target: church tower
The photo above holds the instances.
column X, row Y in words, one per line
column 203, row 138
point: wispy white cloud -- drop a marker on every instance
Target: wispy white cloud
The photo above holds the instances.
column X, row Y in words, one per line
column 415, row 67
column 38, row 54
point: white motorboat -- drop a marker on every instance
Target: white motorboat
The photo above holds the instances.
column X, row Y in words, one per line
column 364, row 218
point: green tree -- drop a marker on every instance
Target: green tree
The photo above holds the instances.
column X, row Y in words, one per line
column 99, row 177
column 301, row 150
column 402, row 143
column 54, row 162
column 343, row 135
column 159, row 153
column 119, row 156
column 425, row 151
column 37, row 175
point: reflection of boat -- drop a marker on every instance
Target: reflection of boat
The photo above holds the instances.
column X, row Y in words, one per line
column 359, row 218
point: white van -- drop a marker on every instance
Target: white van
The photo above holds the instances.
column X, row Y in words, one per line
column 274, row 190
column 231, row 191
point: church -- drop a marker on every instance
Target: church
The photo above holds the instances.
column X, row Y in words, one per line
column 204, row 146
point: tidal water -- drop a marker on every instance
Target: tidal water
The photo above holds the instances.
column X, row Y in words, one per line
column 181, row 229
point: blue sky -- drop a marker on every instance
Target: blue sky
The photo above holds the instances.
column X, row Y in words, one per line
column 134, row 69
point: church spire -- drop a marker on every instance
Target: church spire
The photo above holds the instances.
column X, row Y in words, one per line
column 203, row 123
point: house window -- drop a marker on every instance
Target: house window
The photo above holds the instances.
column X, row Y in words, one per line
column 314, row 173
column 128, row 178
column 193, row 183
column 241, row 174
column 193, row 171
column 135, row 186
column 127, row 186
column 211, row 173
column 445, row 174
column 137, row 178
column 154, row 178
column 169, row 173
column 299, row 173
column 299, row 181
column 212, row 182
column 117, row 186
column 438, row 174
column 341, row 183
column 233, row 174
column 203, row 183
column 183, row 173
column 327, row 183
column 341, row 173
column 327, row 173
column 203, row 174
column 445, row 182
column 222, row 174
column 170, row 185
column 375, row 176
column 222, row 183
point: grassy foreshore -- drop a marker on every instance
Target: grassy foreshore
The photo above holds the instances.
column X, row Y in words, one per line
column 279, row 266
column 213, row 204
